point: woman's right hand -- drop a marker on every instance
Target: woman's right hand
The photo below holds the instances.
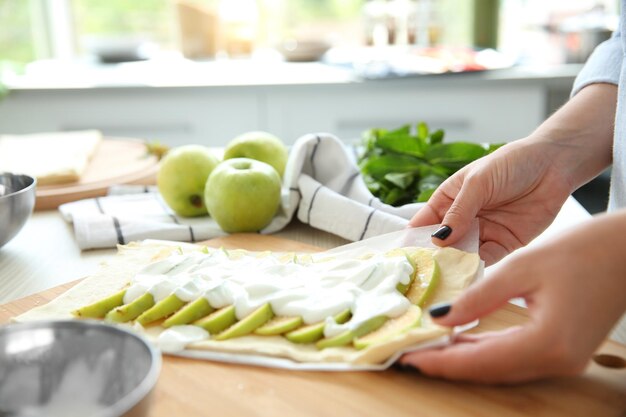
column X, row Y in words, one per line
column 515, row 193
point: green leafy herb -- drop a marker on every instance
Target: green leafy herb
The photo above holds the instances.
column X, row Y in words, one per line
column 407, row 165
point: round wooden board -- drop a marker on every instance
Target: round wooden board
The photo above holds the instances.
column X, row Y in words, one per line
column 116, row 161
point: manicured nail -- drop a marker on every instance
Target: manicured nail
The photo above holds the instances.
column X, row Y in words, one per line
column 442, row 233
column 405, row 367
column 440, row 310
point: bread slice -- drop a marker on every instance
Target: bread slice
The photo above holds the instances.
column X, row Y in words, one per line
column 52, row 158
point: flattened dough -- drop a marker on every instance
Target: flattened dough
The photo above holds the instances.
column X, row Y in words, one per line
column 458, row 269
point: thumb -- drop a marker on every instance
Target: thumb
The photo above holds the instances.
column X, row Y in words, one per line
column 459, row 217
column 483, row 297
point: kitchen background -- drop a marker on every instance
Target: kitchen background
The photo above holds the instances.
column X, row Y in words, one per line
column 203, row 71
column 545, row 31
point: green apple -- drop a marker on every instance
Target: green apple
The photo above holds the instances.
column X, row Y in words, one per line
column 183, row 173
column 261, row 146
column 242, row 194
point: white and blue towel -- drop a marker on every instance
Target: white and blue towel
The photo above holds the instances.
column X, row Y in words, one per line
column 321, row 185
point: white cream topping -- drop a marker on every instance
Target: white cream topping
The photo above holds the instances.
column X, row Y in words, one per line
column 223, row 294
column 316, row 291
column 190, row 290
column 177, row 338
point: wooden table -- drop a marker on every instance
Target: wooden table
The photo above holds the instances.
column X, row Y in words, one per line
column 197, row 388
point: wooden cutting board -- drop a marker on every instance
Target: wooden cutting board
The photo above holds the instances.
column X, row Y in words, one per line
column 116, row 161
column 197, row 388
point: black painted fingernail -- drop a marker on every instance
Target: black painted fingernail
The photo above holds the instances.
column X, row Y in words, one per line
column 440, row 310
column 405, row 367
column 442, row 233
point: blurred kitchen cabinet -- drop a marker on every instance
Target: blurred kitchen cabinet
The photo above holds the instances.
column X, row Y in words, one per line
column 480, row 107
column 175, row 115
column 483, row 113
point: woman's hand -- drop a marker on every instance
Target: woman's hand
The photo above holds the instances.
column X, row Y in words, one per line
column 517, row 191
column 574, row 287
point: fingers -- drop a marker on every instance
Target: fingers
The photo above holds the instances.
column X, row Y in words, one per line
column 488, row 294
column 455, row 204
column 506, row 356
column 491, row 252
column 458, row 218
column 496, row 240
column 477, row 337
column 439, row 202
column 425, row 216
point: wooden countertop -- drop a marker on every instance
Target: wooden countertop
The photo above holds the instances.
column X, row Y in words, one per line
column 199, row 388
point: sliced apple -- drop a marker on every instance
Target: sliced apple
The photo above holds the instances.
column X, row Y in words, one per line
column 190, row 313
column 162, row 309
column 426, row 279
column 218, row 321
column 348, row 336
column 248, row 324
column 311, row 333
column 403, row 288
column 100, row 308
column 132, row 310
column 393, row 327
column 279, row 325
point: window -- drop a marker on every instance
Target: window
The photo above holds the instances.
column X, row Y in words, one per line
column 16, row 36
column 36, row 29
column 543, row 30
column 148, row 20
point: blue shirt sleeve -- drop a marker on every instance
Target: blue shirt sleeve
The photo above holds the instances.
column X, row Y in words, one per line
column 603, row 66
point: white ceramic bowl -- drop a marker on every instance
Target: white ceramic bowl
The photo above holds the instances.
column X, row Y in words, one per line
column 75, row 368
column 303, row 50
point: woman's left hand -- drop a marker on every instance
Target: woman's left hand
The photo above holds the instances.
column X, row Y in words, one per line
column 574, row 287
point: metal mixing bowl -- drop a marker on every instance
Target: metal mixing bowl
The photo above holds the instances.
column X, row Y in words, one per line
column 75, row 368
column 17, row 200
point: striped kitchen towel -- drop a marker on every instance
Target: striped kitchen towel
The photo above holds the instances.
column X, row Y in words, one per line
column 321, row 185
